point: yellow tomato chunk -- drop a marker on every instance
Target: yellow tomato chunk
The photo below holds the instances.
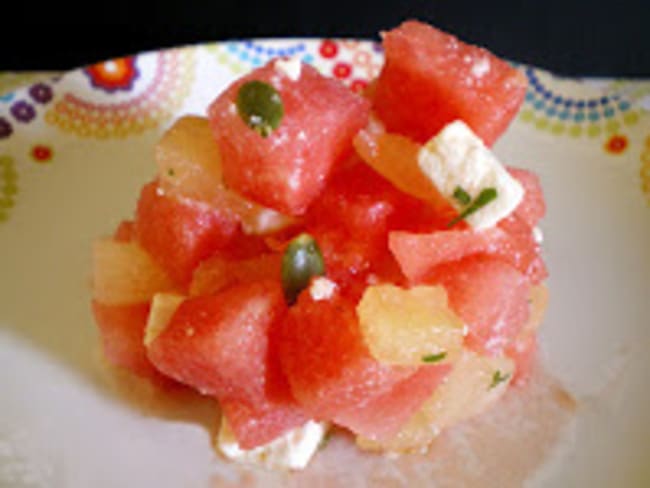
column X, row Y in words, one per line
column 409, row 326
column 474, row 384
column 124, row 274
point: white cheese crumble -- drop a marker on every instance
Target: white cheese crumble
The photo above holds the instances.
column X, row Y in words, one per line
column 163, row 307
column 291, row 451
column 538, row 235
column 322, row 289
column 266, row 220
column 481, row 67
column 457, row 158
column 290, row 68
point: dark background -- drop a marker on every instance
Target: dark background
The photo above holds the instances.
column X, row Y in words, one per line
column 570, row 37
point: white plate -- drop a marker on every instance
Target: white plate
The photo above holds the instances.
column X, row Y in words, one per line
column 73, row 154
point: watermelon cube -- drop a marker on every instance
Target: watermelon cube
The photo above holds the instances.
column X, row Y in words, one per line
column 179, row 234
column 288, row 168
column 382, row 417
column 533, row 207
column 121, row 328
column 430, row 79
column 468, row 389
column 490, row 296
column 219, row 344
column 512, row 242
column 329, row 367
column 259, row 425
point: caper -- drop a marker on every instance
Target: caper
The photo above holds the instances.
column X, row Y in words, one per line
column 301, row 261
column 260, row 106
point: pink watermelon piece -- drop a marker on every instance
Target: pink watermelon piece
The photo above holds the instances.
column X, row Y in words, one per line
column 490, row 296
column 287, row 169
column 121, row 328
column 419, row 254
column 219, row 344
column 533, row 207
column 257, row 426
column 383, row 416
column 326, row 361
column 521, row 250
column 180, row 234
column 430, row 79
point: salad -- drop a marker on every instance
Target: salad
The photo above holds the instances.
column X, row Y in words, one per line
column 316, row 258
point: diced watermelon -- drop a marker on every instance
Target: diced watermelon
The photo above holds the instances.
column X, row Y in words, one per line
column 122, row 331
column 351, row 219
column 533, row 207
column 419, row 254
column 179, row 234
column 383, row 416
column 254, row 427
column 490, row 296
column 430, row 78
column 327, row 363
column 287, row 169
column 521, row 249
column 218, row 343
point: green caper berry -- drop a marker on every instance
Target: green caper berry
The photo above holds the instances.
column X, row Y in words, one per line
column 301, row 261
column 260, row 106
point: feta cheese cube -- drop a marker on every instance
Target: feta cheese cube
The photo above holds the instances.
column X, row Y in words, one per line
column 290, row 68
column 457, row 158
column 322, row 289
column 291, row 451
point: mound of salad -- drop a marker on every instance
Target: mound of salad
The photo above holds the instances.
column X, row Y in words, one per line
column 315, row 258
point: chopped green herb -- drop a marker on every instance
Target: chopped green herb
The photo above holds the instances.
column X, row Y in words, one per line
column 301, row 261
column 462, row 196
column 485, row 197
column 497, row 378
column 434, row 358
column 171, row 172
column 260, row 106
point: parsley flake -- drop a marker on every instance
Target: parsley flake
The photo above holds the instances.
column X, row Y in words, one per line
column 434, row 358
column 486, row 196
column 461, row 196
column 497, row 378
